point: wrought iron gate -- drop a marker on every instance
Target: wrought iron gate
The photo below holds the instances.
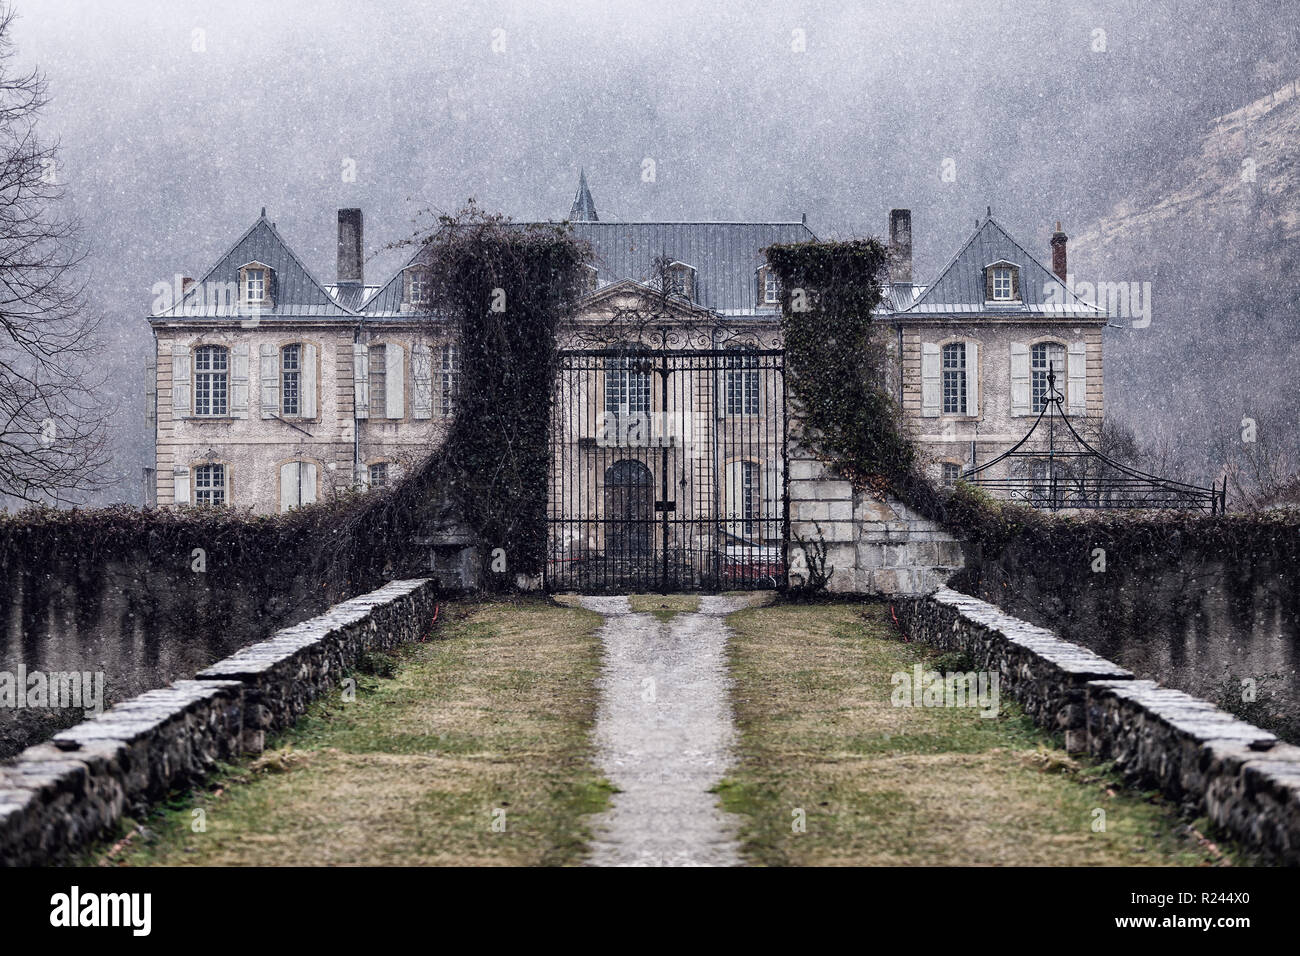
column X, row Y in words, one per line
column 668, row 471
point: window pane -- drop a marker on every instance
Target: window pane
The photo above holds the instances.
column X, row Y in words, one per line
column 378, row 381
column 627, row 386
column 210, row 485
column 450, row 377
column 954, row 378
column 1046, row 356
column 742, row 384
column 210, row 380
column 290, row 380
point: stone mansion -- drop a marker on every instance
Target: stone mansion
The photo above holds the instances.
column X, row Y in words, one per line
column 272, row 389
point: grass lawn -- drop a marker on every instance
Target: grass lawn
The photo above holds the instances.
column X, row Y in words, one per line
column 664, row 606
column 885, row 785
column 489, row 723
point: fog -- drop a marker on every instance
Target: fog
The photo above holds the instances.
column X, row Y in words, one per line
column 179, row 121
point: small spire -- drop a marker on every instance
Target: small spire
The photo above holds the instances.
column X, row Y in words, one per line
column 263, row 212
column 584, row 207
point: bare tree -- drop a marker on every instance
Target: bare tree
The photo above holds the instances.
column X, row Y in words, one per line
column 52, row 424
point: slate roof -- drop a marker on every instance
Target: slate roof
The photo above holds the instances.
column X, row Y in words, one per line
column 725, row 255
column 959, row 290
column 295, row 291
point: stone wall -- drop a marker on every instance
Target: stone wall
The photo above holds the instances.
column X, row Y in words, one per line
column 873, row 545
column 58, row 796
column 1190, row 616
column 1237, row 775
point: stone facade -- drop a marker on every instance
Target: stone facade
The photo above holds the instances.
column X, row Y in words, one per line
column 336, row 448
column 58, row 796
column 1214, row 764
column 996, row 424
column 969, row 357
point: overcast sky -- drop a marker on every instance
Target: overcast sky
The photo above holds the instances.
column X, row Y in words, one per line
column 179, row 121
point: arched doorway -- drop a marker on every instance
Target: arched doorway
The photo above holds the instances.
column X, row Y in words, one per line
column 629, row 509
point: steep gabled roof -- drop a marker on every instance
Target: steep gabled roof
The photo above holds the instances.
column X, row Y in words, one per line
column 959, row 290
column 295, row 291
column 387, row 299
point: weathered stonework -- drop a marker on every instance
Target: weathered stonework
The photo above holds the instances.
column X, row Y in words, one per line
column 874, row 546
column 1214, row 764
column 58, row 796
column 1047, row 675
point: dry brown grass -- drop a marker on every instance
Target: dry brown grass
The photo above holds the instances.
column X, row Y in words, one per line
column 885, row 785
column 493, row 716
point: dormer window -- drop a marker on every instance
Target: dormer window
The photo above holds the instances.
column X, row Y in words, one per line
column 1002, row 282
column 1002, row 285
column 418, row 289
column 679, row 280
column 255, row 284
column 769, row 289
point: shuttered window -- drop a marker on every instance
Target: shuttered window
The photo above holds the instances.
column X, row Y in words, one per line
column 297, row 484
column 954, row 378
column 211, row 380
column 291, row 379
column 1045, row 357
column 378, row 382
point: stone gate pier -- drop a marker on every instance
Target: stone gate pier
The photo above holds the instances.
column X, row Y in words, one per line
column 873, row 546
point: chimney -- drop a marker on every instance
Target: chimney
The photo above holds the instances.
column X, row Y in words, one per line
column 1058, row 252
column 900, row 245
column 350, row 266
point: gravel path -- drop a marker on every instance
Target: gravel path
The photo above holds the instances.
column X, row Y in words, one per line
column 664, row 736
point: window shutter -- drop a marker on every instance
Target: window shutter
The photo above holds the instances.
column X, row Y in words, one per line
column 1076, row 394
column 151, row 393
column 239, row 381
column 735, row 503
column 972, row 378
column 930, row 391
column 307, row 382
column 421, row 381
column 395, row 397
column 988, row 285
column 181, row 384
column 361, row 379
column 288, row 486
column 307, row 482
column 269, row 380
column 1020, row 379
column 1015, row 284
column 181, row 482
